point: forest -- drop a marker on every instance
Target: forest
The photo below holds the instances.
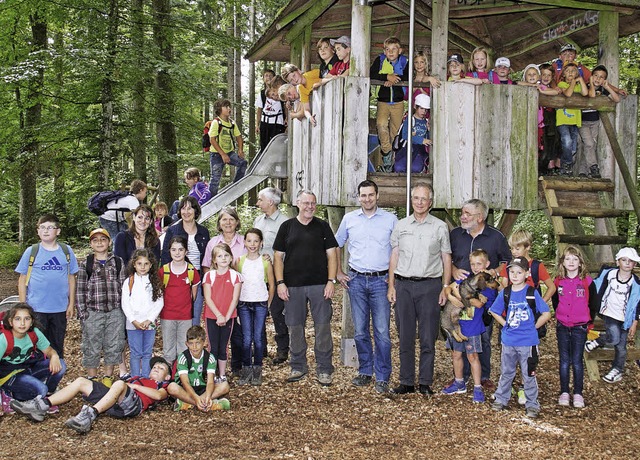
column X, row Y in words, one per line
column 97, row 93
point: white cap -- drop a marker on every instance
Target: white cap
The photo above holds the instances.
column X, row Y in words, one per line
column 503, row 61
column 629, row 253
column 424, row 101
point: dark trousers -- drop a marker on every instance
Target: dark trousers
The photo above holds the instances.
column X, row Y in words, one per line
column 282, row 332
column 236, row 346
column 54, row 327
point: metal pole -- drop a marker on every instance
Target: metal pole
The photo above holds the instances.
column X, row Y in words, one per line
column 412, row 15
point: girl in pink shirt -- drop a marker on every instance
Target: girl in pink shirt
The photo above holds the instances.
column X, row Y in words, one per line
column 576, row 304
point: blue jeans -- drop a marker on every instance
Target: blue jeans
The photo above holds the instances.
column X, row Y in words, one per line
column 217, row 165
column 33, row 381
column 113, row 227
column 198, row 306
column 252, row 317
column 569, row 143
column 140, row 348
column 368, row 295
column 615, row 336
column 571, row 342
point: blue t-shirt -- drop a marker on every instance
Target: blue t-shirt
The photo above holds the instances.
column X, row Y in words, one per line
column 520, row 329
column 473, row 326
column 48, row 289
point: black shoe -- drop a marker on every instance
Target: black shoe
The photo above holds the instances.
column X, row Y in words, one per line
column 403, row 389
column 425, row 390
column 279, row 359
column 361, row 380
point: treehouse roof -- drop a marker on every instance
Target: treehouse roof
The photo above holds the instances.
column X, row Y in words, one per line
column 524, row 30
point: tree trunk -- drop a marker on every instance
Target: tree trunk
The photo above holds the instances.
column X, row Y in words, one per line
column 58, row 163
column 165, row 104
column 29, row 155
column 139, row 133
column 106, row 125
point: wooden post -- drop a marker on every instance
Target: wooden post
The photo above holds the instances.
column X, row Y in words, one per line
column 439, row 37
column 360, row 40
column 305, row 59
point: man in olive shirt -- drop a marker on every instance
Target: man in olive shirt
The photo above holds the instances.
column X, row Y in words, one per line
column 419, row 271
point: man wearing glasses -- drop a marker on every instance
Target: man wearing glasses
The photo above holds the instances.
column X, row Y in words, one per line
column 474, row 233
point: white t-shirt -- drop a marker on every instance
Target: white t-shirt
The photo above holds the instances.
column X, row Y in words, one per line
column 616, row 297
column 128, row 202
column 254, row 289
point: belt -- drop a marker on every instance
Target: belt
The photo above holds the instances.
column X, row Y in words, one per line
column 414, row 278
column 380, row 273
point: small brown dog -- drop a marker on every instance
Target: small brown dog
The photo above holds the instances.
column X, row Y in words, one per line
column 471, row 298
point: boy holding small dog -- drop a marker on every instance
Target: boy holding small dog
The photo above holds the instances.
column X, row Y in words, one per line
column 472, row 327
column 519, row 336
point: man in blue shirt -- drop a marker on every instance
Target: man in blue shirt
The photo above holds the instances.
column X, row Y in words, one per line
column 368, row 231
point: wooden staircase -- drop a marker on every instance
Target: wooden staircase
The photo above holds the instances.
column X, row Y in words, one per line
column 568, row 200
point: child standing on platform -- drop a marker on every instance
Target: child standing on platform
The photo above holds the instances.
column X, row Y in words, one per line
column 142, row 302
column 568, row 121
column 221, row 287
column 576, row 304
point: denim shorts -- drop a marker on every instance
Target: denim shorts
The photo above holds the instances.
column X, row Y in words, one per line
column 472, row 345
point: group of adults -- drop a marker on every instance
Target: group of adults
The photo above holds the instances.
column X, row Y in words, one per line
column 404, row 263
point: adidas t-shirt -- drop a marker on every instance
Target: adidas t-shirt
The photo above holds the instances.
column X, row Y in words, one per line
column 195, row 371
column 48, row 289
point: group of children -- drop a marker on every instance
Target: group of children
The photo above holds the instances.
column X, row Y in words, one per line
column 522, row 311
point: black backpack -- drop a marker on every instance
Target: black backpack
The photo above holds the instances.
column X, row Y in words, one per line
column 189, row 358
column 91, row 260
column 531, row 300
column 97, row 204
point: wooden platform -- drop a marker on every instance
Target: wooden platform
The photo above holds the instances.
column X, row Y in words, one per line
column 605, row 354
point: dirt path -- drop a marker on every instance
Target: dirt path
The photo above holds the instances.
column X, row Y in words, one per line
column 306, row 421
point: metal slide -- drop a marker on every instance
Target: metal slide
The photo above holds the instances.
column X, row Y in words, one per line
column 270, row 162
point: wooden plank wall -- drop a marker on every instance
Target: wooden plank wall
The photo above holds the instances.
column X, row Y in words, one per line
column 330, row 159
column 490, row 154
column 627, row 129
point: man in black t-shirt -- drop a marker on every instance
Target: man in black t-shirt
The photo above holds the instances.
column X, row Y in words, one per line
column 306, row 264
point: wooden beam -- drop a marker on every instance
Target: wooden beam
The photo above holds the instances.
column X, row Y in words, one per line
column 313, row 13
column 577, row 101
column 295, row 14
column 549, row 33
column 586, row 212
column 577, row 185
column 491, row 9
column 620, row 6
column 592, row 239
column 622, row 164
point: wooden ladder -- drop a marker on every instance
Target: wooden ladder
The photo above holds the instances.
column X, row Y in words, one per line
column 569, row 199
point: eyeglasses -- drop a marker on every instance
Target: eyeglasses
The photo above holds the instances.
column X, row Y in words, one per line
column 47, row 227
column 469, row 214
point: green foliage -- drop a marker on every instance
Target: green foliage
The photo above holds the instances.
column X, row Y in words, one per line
column 539, row 225
column 10, row 253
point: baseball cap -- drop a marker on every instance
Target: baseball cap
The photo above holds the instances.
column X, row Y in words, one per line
column 567, row 47
column 98, row 231
column 629, row 253
column 455, row 57
column 344, row 40
column 521, row 262
column 424, row 101
column 503, row 61
column 159, row 359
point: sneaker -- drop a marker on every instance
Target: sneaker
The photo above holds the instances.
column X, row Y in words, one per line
column 324, row 379
column 594, row 172
column 613, row 376
column 488, row 385
column 381, row 387
column 82, row 422
column 245, row 374
column 532, row 412
column 107, row 381
column 591, row 345
column 578, row 401
column 425, row 390
column 5, row 403
column 455, row 388
column 522, row 399
column 478, row 395
column 221, row 404
column 53, row 409
column 279, row 359
column 35, row 409
column 181, row 405
column 497, row 406
column 564, row 400
column 361, row 380
column 295, row 376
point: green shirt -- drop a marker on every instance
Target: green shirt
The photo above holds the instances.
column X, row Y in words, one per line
column 195, row 371
column 225, row 133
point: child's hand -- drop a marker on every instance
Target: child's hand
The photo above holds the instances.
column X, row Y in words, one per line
column 221, row 320
column 434, row 81
column 225, row 158
column 240, row 153
column 54, row 364
column 392, row 79
column 427, row 142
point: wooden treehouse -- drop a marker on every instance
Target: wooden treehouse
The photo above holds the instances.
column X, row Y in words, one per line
column 484, row 138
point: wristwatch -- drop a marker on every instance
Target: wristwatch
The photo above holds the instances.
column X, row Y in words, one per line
column 333, row 280
column 279, row 282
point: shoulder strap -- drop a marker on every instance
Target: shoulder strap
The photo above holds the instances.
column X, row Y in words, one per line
column 190, row 272
column 265, row 265
column 10, row 340
column 188, row 359
column 89, row 265
column 507, row 296
column 205, row 363
column 475, row 74
column 535, row 272
column 66, row 251
column 166, row 273
column 131, row 280
column 118, row 265
column 32, row 257
column 241, row 262
column 531, row 299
